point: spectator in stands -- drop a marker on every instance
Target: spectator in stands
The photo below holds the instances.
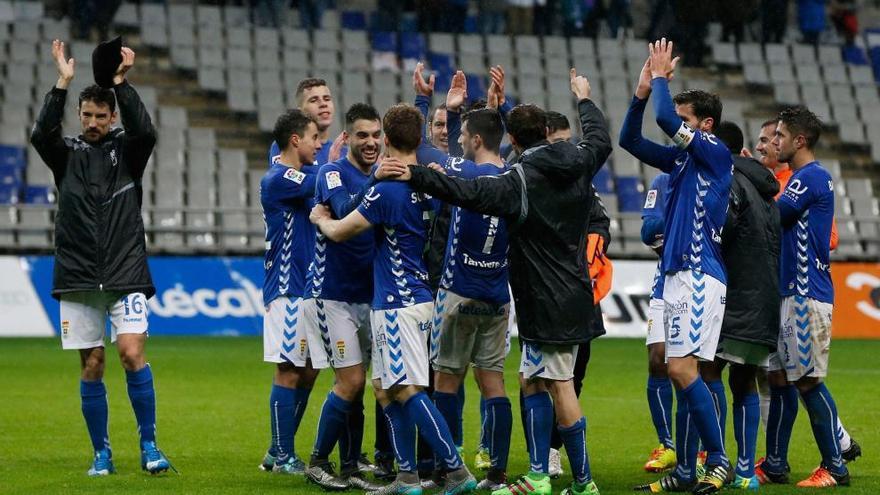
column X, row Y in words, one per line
column 270, row 13
column 390, row 15
column 774, row 20
column 454, row 15
column 520, row 15
column 845, row 19
column 310, row 13
column 574, row 15
column 660, row 19
column 618, row 16
column 491, row 16
column 93, row 14
column 546, row 18
column 430, row 15
column 693, row 17
column 733, row 15
column 811, row 20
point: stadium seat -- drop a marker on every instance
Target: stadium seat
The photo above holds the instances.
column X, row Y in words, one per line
column 808, row 74
column 154, row 35
column 326, row 40
column 181, row 34
column 184, row 57
column 210, row 35
column 786, row 94
column 236, row 16
column 35, row 221
column 861, row 76
column 266, row 38
column 296, row 38
column 212, row 79
column 127, row 15
column 557, row 46
column 724, row 54
column 242, row 99
column 497, row 44
column 756, row 73
column 211, row 56
column 182, row 14
column 527, row 45
column 776, row 53
column 209, row 15
column 172, row 117
column 238, row 36
column 239, row 57
column 780, row 73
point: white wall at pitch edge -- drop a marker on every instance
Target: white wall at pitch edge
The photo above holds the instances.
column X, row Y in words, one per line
column 22, row 312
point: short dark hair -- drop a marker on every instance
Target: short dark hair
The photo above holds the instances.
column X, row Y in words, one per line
column 705, row 104
column 800, row 120
column 441, row 106
column 99, row 96
column 403, row 127
column 731, row 135
column 767, row 122
column 557, row 122
column 308, row 83
column 477, row 104
column 485, row 122
column 289, row 123
column 527, row 124
column 361, row 111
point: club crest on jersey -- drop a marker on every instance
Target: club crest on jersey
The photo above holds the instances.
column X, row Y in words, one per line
column 294, row 175
column 65, row 327
column 340, row 348
column 302, row 346
column 333, row 179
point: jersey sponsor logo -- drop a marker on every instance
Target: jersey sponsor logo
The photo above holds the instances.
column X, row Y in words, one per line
column 455, row 163
column 796, row 187
column 678, row 308
column 333, row 179
column 294, row 175
column 371, row 195
column 489, row 265
column 683, row 136
column 651, row 199
column 822, row 267
column 481, row 310
column 425, row 326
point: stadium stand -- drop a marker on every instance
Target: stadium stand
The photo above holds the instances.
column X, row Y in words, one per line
column 215, row 84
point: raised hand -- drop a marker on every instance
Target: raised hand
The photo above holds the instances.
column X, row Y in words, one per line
column 422, row 87
column 643, row 89
column 336, row 148
column 457, row 93
column 495, row 95
column 127, row 63
column 662, row 62
column 65, row 66
column 580, row 86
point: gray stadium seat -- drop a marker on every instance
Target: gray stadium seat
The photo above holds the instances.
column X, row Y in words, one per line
column 155, row 35
column 781, row 73
column 472, row 63
column 858, row 188
column 724, row 54
column 776, row 54
column 184, row 57
column 829, row 55
column 14, row 113
column 8, row 219
column 152, row 14
column 269, row 79
column 326, row 39
column 13, row 134
column 296, row 59
column 530, row 84
column 756, row 73
column 556, row 46
column 266, row 58
column 127, row 15
column 172, row 117
column 835, row 74
column 808, row 73
column 238, row 36
column 239, row 57
column 182, row 14
column 867, row 96
column 23, row 51
column 470, row 44
column 241, row 99
column 802, row 53
column 270, row 98
column 811, row 93
column 201, row 138
column 497, row 44
column 232, row 161
column 37, row 220
column 209, row 15
column 840, row 94
column 266, row 117
column 27, row 31
column 296, row 39
column 266, row 38
column 235, row 16
column 558, row 65
column 441, row 43
column 211, row 35
column 861, row 75
column 527, row 45
column 750, row 53
column 354, row 41
column 355, row 61
column 211, row 56
column 181, row 34
column 851, row 131
column 237, row 224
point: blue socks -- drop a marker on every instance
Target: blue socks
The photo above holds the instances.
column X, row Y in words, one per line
column 716, row 388
column 459, row 440
column 300, row 402
column 433, row 428
column 823, row 419
column 449, row 406
column 575, row 439
column 746, row 417
column 330, row 426
column 483, row 422
column 94, row 409
column 382, row 449
column 496, row 428
column 703, row 414
column 538, row 425
column 281, row 419
column 352, row 437
column 780, row 421
column 143, row 401
column 402, row 434
column 660, row 405
column 687, row 440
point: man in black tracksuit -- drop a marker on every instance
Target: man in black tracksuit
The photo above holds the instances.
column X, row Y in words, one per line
column 546, row 199
column 100, row 254
column 751, row 243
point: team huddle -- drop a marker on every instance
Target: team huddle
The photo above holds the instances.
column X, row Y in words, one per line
column 394, row 252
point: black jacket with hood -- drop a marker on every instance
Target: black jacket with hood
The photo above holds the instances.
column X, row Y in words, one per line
column 751, row 244
column 546, row 199
column 99, row 231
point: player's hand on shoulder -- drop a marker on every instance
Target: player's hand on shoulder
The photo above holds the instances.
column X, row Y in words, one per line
column 64, row 65
column 319, row 212
column 392, row 169
column 437, row 167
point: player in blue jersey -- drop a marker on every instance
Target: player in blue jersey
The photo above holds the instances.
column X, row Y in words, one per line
column 806, row 208
column 401, row 309
column 336, row 304
column 285, row 195
column 700, row 170
column 659, row 390
column 472, row 306
column 313, row 98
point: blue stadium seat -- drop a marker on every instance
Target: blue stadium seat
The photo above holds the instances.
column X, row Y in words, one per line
column 13, row 156
column 354, row 19
column 629, row 194
column 8, row 194
column 476, row 87
column 603, row 181
column 384, row 41
column 40, row 195
column 11, row 175
column 412, row 45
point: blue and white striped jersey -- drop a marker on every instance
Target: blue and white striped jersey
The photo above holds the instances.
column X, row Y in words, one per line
column 807, row 210
column 398, row 214
column 286, row 195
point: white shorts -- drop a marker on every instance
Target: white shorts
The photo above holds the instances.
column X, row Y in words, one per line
column 338, row 332
column 84, row 317
column 551, row 362
column 400, row 345
column 694, row 311
column 468, row 331
column 656, row 333
column 804, row 339
column 284, row 334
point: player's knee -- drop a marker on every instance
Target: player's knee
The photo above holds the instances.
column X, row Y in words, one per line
column 132, row 358
column 446, row 383
column 807, row 383
column 92, row 364
column 350, row 387
column 777, row 379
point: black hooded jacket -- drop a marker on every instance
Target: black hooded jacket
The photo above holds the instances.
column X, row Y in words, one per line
column 751, row 244
column 546, row 199
column 99, row 231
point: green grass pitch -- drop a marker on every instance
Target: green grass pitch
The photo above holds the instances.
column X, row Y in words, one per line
column 213, row 421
